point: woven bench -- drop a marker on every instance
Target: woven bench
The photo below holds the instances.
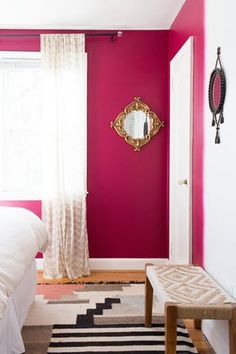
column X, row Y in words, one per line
column 187, row 292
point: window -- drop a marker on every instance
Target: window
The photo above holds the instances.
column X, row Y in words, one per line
column 20, row 125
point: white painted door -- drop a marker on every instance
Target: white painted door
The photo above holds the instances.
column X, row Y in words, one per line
column 181, row 82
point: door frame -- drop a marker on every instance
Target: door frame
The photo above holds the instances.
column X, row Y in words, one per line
column 186, row 49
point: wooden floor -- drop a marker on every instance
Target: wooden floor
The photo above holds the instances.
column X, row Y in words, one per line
column 197, row 336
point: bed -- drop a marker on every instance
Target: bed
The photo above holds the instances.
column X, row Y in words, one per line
column 22, row 235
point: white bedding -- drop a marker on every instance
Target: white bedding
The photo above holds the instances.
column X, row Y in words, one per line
column 22, row 235
column 11, row 323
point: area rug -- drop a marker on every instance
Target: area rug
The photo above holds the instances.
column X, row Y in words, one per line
column 61, row 303
column 95, row 318
column 116, row 338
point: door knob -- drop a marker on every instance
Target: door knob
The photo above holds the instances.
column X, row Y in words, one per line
column 182, row 181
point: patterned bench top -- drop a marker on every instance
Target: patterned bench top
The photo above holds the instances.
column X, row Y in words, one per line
column 186, row 284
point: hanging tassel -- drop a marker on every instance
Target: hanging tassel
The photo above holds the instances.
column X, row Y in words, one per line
column 217, row 138
column 213, row 122
column 221, row 118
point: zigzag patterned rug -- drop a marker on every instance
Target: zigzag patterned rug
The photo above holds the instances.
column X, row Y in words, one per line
column 116, row 338
column 104, row 318
column 88, row 337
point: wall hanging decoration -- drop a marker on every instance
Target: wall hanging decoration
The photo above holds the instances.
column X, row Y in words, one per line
column 137, row 124
column 216, row 95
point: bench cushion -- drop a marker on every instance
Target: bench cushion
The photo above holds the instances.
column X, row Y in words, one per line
column 186, row 284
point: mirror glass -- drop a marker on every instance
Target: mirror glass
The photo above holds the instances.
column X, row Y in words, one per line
column 137, row 124
column 216, row 91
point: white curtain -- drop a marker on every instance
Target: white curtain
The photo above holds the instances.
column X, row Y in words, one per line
column 64, row 66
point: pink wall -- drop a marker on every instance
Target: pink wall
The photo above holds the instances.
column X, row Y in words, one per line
column 32, row 205
column 127, row 201
column 190, row 22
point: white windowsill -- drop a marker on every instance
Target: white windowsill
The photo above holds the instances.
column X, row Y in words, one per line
column 19, row 196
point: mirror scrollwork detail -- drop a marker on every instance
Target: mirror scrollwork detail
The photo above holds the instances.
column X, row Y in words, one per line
column 137, row 124
column 216, row 95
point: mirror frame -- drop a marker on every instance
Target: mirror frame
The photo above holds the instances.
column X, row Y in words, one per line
column 217, row 73
column 217, row 110
column 137, row 105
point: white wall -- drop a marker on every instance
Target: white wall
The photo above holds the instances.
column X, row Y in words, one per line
column 220, row 164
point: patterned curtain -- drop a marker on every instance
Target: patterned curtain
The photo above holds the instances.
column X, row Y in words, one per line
column 64, row 66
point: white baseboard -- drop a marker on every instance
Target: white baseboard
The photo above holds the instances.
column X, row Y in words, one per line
column 123, row 263
column 39, row 263
column 116, row 263
column 217, row 335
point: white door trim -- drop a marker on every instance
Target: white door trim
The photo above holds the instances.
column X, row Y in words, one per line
column 175, row 242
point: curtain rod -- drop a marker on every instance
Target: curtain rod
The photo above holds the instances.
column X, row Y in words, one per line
column 110, row 34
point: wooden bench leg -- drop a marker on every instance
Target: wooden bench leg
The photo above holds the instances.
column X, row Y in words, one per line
column 148, row 303
column 197, row 324
column 232, row 332
column 170, row 328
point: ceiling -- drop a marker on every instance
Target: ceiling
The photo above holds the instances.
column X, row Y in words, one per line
column 89, row 14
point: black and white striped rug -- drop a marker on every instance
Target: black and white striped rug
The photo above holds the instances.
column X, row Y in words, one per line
column 116, row 338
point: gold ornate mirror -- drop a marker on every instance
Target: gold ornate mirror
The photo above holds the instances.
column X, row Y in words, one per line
column 137, row 124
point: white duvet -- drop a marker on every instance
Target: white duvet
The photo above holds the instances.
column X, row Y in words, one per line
column 22, row 235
